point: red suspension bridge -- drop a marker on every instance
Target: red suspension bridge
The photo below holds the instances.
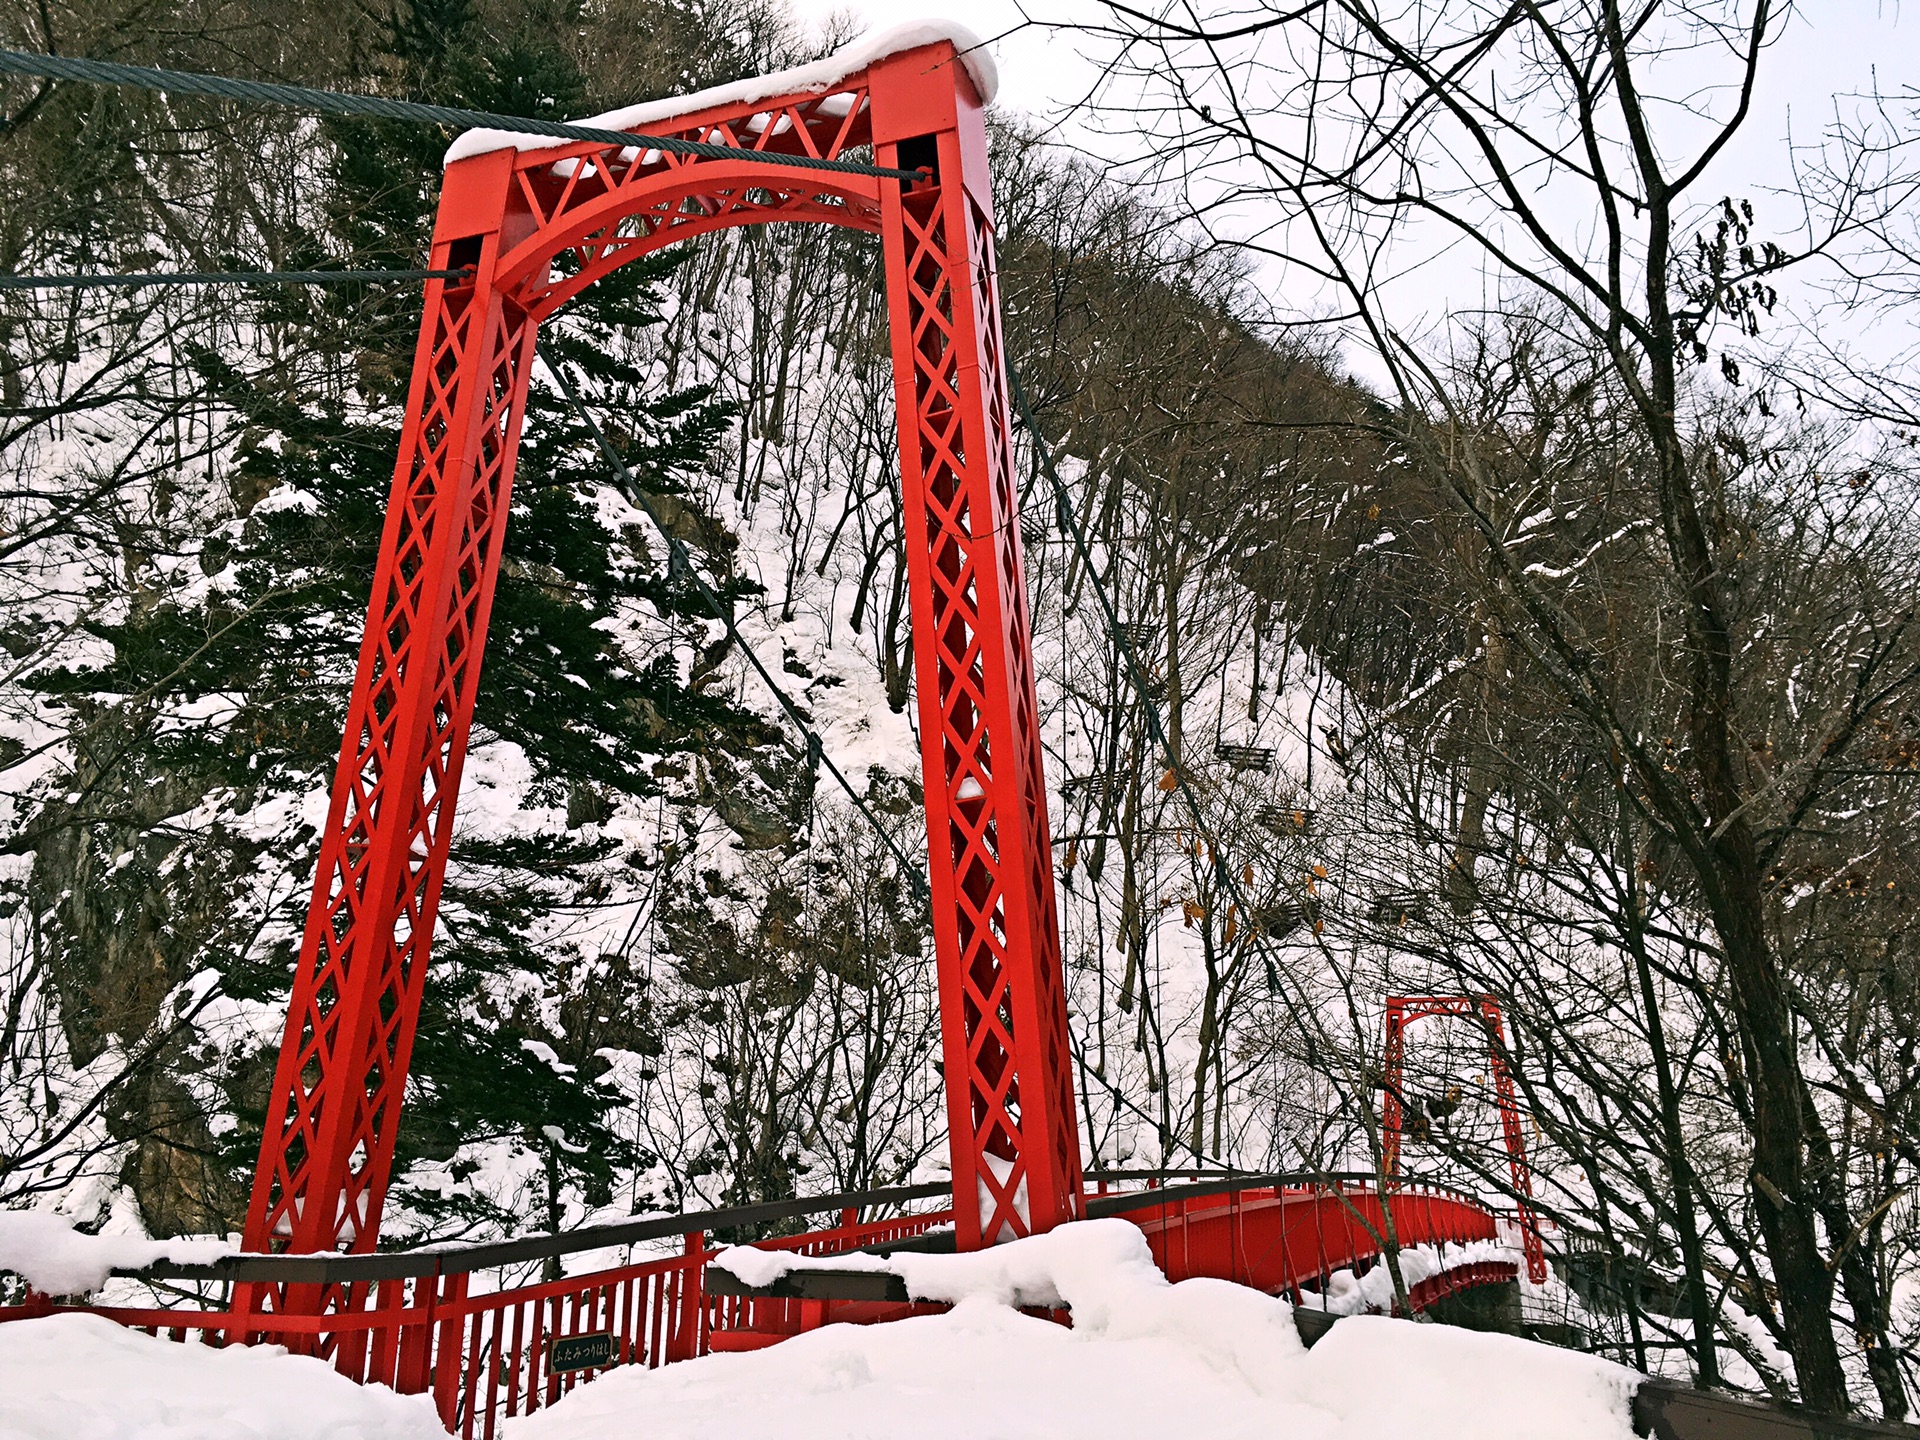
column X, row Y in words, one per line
column 523, row 227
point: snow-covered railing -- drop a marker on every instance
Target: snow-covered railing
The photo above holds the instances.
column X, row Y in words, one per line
column 440, row 1321
column 451, row 1259
column 446, row 1321
column 1312, row 1237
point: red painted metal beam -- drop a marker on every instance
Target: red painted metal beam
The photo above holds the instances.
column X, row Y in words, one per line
column 1013, row 1133
column 1278, row 1240
column 1435, row 1288
column 335, row 1107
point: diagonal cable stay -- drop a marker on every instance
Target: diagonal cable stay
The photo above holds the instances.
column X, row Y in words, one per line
column 99, row 281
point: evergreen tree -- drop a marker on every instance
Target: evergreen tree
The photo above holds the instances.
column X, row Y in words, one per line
column 216, row 707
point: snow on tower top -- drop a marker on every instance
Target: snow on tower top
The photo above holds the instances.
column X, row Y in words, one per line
column 802, row 79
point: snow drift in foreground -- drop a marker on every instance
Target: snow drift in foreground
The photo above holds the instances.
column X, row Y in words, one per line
column 78, row 1377
column 1145, row 1358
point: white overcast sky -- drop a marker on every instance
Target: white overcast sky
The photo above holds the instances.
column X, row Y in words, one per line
column 1832, row 49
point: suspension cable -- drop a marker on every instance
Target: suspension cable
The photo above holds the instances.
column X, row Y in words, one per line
column 723, row 613
column 334, row 102
column 222, row 277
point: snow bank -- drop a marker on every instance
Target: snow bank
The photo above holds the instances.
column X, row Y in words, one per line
column 1094, row 1267
column 756, row 1267
column 56, row 1259
column 1145, row 1358
column 79, row 1377
column 803, row 79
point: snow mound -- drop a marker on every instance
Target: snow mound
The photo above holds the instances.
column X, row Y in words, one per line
column 1145, row 1358
column 802, row 79
column 56, row 1259
column 79, row 1377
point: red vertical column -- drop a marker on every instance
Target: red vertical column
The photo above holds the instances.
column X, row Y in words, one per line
column 335, row 1106
column 1516, row 1139
column 1010, row 1106
column 1393, row 1062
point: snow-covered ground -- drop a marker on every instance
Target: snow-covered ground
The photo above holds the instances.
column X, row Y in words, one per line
column 78, row 1377
column 1144, row 1359
column 1223, row 1369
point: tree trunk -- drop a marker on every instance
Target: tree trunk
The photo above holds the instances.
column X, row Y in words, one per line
column 1717, row 837
column 1686, row 1221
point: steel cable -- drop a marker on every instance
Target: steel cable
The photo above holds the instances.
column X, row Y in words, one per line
column 221, row 277
column 334, row 102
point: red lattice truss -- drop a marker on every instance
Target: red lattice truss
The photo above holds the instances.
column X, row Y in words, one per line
column 534, row 228
column 1402, row 1011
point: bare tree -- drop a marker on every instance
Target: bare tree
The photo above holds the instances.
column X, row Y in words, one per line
column 1341, row 142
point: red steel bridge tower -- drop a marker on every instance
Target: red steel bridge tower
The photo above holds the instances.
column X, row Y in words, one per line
column 533, row 227
column 1402, row 1011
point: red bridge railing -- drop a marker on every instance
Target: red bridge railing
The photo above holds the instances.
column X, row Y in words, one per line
column 449, row 1321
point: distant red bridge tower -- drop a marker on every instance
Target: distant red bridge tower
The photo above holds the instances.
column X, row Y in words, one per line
column 1402, row 1011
